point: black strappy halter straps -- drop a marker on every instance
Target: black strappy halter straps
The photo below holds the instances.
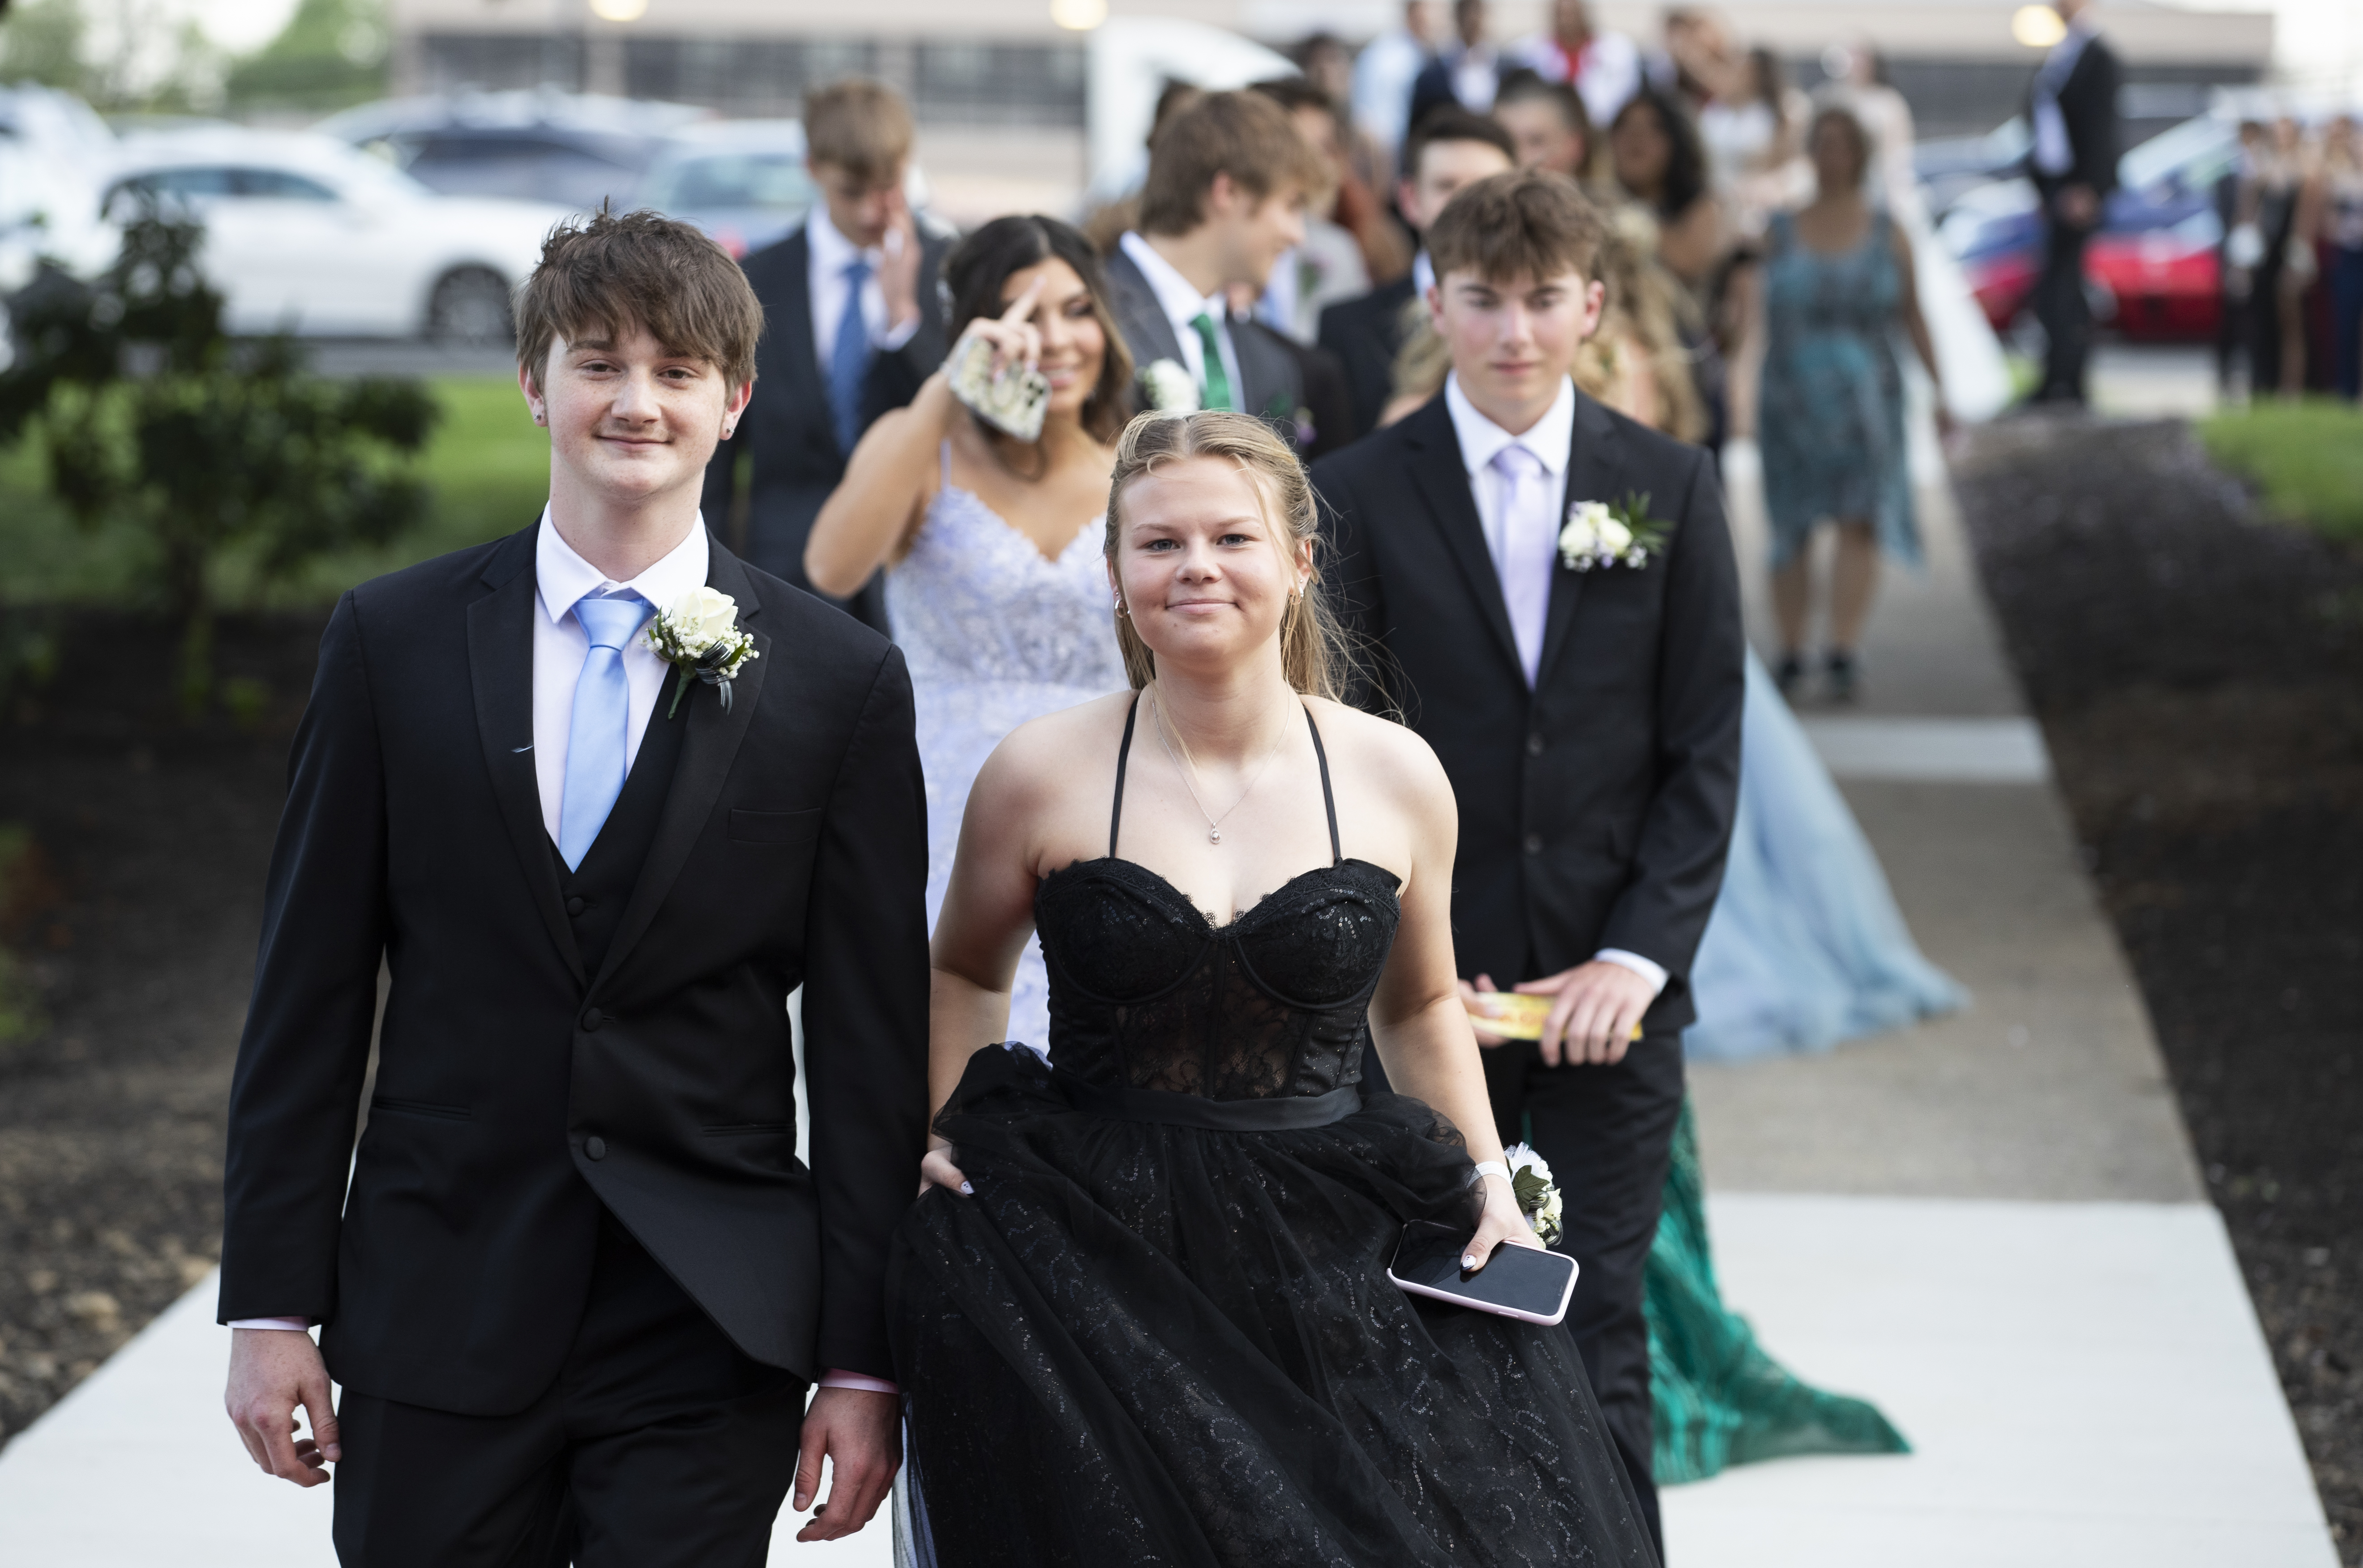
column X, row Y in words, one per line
column 1320, row 754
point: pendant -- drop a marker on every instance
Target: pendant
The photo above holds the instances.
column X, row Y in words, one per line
column 1214, row 835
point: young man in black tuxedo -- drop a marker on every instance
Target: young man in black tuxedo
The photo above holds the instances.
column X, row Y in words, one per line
column 1585, row 696
column 1452, row 148
column 2072, row 108
column 1224, row 200
column 579, row 1282
column 854, row 322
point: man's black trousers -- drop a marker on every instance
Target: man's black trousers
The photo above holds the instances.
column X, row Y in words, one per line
column 657, row 1444
column 1608, row 1134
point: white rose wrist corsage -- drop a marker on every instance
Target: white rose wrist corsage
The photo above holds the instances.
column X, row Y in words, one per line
column 1530, row 1181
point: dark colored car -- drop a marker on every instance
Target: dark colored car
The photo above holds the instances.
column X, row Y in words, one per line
column 570, row 148
column 2153, row 270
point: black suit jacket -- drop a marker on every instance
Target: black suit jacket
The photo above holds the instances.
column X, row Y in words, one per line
column 2088, row 104
column 1365, row 334
column 516, row 1092
column 1432, row 88
column 1596, row 809
column 788, row 430
column 1272, row 384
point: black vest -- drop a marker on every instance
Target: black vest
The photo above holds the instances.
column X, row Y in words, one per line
column 594, row 894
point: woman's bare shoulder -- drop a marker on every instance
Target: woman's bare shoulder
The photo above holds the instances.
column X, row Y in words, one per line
column 1381, row 753
column 1037, row 756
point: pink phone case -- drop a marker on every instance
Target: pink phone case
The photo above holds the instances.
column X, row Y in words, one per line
column 1553, row 1321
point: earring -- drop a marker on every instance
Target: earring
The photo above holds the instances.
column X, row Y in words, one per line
column 1119, row 606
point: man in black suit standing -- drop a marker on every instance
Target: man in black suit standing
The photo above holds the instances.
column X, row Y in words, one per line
column 1581, row 677
column 2072, row 107
column 577, row 1282
column 1228, row 182
column 1452, row 148
column 1467, row 73
column 853, row 323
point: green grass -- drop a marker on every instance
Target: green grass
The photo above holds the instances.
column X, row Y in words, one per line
column 488, row 464
column 2305, row 457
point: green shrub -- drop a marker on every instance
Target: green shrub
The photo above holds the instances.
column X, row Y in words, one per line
column 2305, row 459
column 151, row 418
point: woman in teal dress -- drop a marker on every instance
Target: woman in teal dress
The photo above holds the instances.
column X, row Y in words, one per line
column 1833, row 290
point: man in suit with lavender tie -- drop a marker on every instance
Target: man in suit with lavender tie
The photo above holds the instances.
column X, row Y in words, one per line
column 1583, row 692
column 575, row 1280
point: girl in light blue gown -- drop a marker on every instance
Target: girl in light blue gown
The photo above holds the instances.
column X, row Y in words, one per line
column 1807, row 947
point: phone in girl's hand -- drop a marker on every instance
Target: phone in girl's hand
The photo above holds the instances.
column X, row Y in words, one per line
column 1516, row 1282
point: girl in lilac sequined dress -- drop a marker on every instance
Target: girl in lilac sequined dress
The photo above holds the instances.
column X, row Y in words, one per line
column 994, row 585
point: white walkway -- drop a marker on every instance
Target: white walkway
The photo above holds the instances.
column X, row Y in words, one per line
column 2083, row 1383
column 139, row 1468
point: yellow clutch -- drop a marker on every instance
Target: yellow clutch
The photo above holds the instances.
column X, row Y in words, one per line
column 1510, row 1015
column 1514, row 1016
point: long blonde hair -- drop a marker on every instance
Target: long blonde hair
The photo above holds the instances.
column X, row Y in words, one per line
column 1310, row 641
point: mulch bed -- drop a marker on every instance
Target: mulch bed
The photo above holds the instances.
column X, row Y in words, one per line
column 136, row 922
column 2199, row 674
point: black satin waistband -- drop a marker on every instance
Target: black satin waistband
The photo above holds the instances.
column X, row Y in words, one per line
column 1284, row 1114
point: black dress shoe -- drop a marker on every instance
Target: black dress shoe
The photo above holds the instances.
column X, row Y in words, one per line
column 1788, row 674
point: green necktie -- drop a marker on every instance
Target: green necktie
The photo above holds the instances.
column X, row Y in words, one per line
column 1218, row 383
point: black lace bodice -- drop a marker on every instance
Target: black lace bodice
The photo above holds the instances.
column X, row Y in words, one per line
column 1147, row 993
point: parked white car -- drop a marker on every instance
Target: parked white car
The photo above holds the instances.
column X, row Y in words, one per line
column 305, row 235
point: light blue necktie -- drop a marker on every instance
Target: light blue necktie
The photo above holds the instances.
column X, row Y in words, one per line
column 597, row 740
column 849, row 359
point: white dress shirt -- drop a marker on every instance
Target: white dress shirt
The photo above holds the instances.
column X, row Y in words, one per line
column 1605, row 72
column 1551, row 440
column 560, row 647
column 1182, row 305
column 1384, row 74
column 831, row 254
column 2053, row 153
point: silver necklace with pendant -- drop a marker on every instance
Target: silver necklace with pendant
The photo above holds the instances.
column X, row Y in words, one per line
column 1187, row 767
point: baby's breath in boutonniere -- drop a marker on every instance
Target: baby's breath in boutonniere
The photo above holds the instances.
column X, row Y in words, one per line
column 1600, row 535
column 700, row 637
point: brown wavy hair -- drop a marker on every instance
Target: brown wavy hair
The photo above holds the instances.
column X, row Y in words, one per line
column 1312, row 645
column 979, row 267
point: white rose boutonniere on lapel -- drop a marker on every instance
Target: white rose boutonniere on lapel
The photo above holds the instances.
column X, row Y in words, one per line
column 699, row 636
column 1600, row 535
column 1169, row 387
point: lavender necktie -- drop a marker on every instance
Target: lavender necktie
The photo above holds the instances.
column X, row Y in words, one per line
column 1523, row 542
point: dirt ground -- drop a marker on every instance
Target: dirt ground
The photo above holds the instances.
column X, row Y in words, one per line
column 137, row 925
column 2199, row 674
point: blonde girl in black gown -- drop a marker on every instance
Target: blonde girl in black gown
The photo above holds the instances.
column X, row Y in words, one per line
column 1141, row 1310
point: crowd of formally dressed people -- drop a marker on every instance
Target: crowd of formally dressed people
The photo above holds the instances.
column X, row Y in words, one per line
column 2293, row 212
column 1348, row 635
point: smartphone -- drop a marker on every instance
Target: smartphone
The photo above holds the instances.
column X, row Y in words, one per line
column 1517, row 1282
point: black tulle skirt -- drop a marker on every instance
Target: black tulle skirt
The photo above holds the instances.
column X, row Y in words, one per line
column 1147, row 1343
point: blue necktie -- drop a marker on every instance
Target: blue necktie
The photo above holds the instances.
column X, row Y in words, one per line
column 598, row 738
column 849, row 359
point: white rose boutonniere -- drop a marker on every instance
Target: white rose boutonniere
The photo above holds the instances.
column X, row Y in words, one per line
column 700, row 636
column 1170, row 387
column 1600, row 535
column 1538, row 1199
